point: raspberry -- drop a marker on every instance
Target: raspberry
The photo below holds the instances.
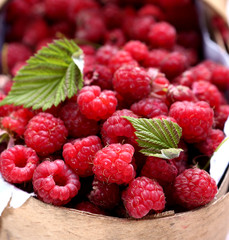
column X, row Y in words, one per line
column 104, row 195
column 87, row 49
column 137, row 49
column 194, row 188
column 205, row 91
column 14, row 52
column 151, row 10
column 104, row 54
column 155, row 57
column 45, row 134
column 221, row 115
column 195, row 119
column 164, row 171
column 56, row 9
column 143, row 195
column 99, row 75
column 220, row 77
column 112, row 164
column 174, row 64
column 55, row 183
column 17, row 121
column 89, row 207
column 207, row 147
column 115, row 37
column 201, row 72
column 120, row 59
column 160, row 86
column 5, row 110
column 96, row 104
column 117, row 129
column 17, row 164
column 149, row 107
column 133, row 83
column 180, row 93
column 162, row 35
column 43, row 43
column 80, row 153
column 76, row 123
column 187, row 78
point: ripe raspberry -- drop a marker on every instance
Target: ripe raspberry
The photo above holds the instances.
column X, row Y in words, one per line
column 143, row 195
column 137, row 49
column 205, row 91
column 80, row 153
column 221, row 115
column 56, row 9
column 96, row 104
column 14, row 52
column 115, row 37
column 43, row 43
column 35, row 31
column 149, row 107
column 155, row 57
column 174, row 64
column 195, row 119
column 105, row 53
column 76, row 123
column 117, row 129
column 164, row 171
column 104, row 195
column 45, row 134
column 194, row 188
column 160, row 86
column 99, row 75
column 87, row 49
column 17, row 121
column 112, row 164
column 151, row 10
column 133, row 83
column 17, row 164
column 121, row 58
column 55, row 183
column 180, row 93
column 5, row 110
column 220, row 77
column 89, row 207
column 208, row 146
column 187, row 78
column 162, row 35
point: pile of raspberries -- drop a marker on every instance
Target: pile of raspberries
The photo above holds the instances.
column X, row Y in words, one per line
column 143, row 59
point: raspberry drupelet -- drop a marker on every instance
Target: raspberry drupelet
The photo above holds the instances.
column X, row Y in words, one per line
column 194, row 188
column 96, row 104
column 113, row 164
column 80, row 153
column 17, row 164
column 55, row 183
column 45, row 134
column 143, row 195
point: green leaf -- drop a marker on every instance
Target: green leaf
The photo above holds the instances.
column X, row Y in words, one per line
column 50, row 76
column 157, row 137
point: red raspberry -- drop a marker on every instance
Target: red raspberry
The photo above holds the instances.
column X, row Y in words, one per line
column 205, row 91
column 89, row 207
column 155, row 57
column 194, row 188
column 164, row 171
column 56, row 9
column 120, row 59
column 117, row 129
column 87, row 49
column 113, row 164
column 17, row 121
column 115, row 37
column 43, row 43
column 160, row 86
column 18, row 163
column 96, row 104
column 55, row 183
column 76, row 123
column 201, row 73
column 104, row 195
column 221, row 115
column 104, row 54
column 187, row 78
column 220, row 77
column 149, row 107
column 133, row 83
column 151, row 10
column 195, row 119
column 5, row 110
column 180, row 93
column 174, row 64
column 35, row 31
column 207, row 147
column 143, row 195
column 13, row 53
column 45, row 134
column 99, row 75
column 80, row 153
column 162, row 35
column 137, row 49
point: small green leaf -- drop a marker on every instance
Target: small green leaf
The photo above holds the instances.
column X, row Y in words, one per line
column 157, row 137
column 49, row 77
